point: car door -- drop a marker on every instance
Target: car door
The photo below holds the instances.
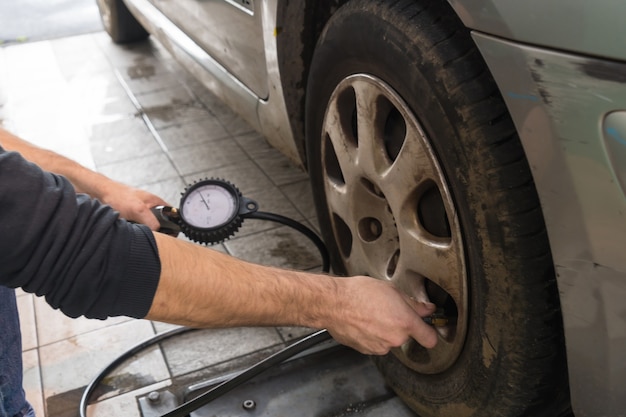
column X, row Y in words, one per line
column 231, row 31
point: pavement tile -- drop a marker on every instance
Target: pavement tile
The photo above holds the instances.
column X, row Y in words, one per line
column 143, row 78
column 172, row 106
column 202, row 348
column 198, row 158
column 245, row 175
column 72, row 363
column 121, row 140
column 301, row 196
column 32, row 380
column 54, row 326
column 277, row 166
column 147, row 61
column 255, row 145
column 163, row 327
column 234, row 124
column 280, row 169
column 271, row 199
column 141, row 171
column 28, row 324
column 209, row 99
column 281, row 247
column 202, row 131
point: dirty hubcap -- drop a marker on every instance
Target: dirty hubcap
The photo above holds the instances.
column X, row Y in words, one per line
column 391, row 211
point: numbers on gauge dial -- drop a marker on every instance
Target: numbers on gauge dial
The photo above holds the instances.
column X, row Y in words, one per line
column 209, row 206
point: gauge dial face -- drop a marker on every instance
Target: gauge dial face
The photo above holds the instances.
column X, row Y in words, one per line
column 209, row 206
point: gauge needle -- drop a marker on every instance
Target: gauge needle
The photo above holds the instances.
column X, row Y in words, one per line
column 204, row 201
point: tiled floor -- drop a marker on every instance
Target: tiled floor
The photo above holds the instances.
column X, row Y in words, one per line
column 75, row 95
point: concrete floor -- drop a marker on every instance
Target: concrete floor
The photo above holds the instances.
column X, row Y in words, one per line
column 94, row 101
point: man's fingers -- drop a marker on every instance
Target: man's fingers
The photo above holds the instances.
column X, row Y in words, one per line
column 149, row 219
column 423, row 333
column 423, row 308
column 135, row 204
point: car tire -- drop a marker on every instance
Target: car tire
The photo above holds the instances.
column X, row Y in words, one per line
column 119, row 23
column 419, row 178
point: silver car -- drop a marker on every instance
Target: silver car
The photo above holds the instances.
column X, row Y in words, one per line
column 473, row 152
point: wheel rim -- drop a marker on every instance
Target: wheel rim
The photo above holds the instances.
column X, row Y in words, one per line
column 404, row 228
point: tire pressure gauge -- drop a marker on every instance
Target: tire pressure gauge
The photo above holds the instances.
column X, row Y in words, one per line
column 211, row 210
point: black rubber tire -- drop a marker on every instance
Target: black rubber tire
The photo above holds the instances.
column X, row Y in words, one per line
column 119, row 23
column 512, row 362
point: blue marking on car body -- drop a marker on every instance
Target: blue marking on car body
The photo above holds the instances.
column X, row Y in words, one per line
column 518, row 96
column 614, row 133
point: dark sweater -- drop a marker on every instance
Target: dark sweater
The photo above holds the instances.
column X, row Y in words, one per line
column 70, row 248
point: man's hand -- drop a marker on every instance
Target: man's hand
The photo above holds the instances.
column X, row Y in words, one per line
column 132, row 203
column 375, row 317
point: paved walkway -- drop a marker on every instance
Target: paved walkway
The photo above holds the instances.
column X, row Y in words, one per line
column 90, row 99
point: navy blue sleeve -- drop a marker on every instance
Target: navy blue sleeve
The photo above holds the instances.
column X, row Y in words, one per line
column 70, row 248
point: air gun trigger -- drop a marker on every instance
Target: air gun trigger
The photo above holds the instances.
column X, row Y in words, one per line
column 168, row 219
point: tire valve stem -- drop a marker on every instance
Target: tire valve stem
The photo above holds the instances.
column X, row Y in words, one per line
column 437, row 319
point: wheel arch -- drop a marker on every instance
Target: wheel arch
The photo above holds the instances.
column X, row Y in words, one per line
column 300, row 25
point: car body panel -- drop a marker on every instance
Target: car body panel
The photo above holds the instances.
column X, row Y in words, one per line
column 230, row 32
column 268, row 116
column 582, row 26
column 559, row 103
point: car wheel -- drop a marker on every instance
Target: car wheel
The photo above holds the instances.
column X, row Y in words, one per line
column 119, row 23
column 419, row 178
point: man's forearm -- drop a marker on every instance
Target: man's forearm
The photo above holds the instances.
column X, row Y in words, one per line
column 241, row 293
column 200, row 287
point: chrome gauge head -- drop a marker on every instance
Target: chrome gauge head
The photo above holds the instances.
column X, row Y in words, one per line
column 209, row 205
column 211, row 210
